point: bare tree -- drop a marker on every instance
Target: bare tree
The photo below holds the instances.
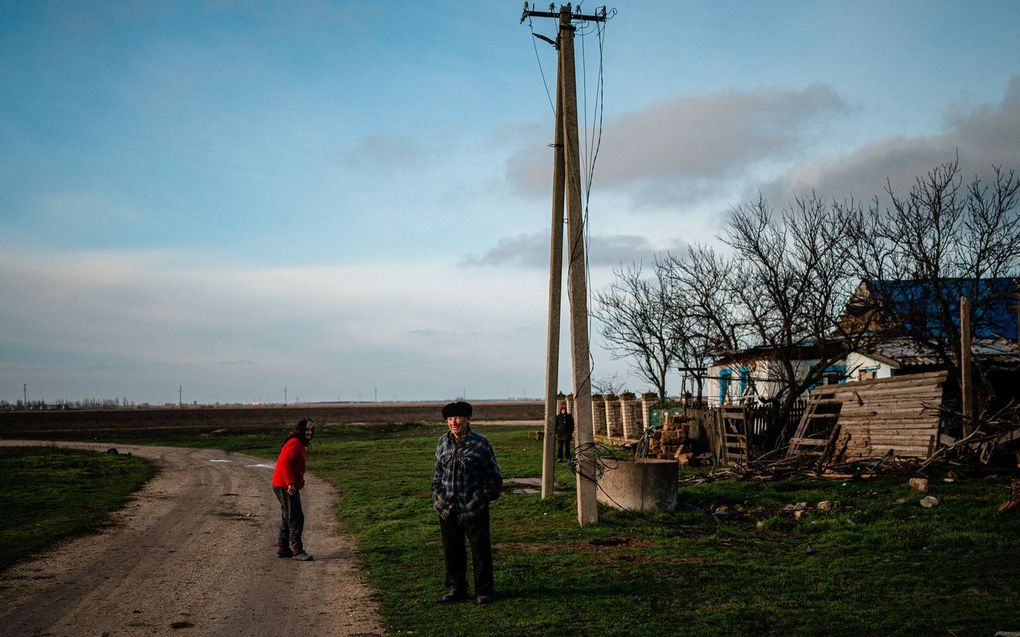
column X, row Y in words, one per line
column 638, row 323
column 609, row 384
column 781, row 289
column 923, row 251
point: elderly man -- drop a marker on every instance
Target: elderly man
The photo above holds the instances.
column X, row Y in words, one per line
column 465, row 481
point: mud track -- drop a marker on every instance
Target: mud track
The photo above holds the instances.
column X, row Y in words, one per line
column 193, row 553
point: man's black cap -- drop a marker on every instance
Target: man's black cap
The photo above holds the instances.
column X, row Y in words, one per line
column 459, row 408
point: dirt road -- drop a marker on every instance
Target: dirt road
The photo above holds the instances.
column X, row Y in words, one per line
column 193, row 553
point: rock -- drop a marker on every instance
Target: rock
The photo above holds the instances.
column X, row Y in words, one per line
column 900, row 501
column 799, row 514
column 930, row 502
column 919, row 484
column 759, row 525
column 827, row 505
column 217, row 432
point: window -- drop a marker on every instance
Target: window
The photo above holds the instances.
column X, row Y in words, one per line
column 724, row 384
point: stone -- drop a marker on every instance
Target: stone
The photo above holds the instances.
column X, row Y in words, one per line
column 930, row 502
column 827, row 505
column 919, row 484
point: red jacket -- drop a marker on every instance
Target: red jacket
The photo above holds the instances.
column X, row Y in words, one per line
column 290, row 465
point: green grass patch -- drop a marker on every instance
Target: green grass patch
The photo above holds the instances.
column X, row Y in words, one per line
column 48, row 494
column 875, row 566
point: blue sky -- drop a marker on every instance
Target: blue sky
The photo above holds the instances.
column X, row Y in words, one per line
column 351, row 199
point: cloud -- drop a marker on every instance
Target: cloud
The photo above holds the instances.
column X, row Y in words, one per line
column 984, row 135
column 141, row 323
column 532, row 251
column 683, row 149
column 387, row 152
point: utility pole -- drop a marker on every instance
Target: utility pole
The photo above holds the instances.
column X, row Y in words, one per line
column 24, row 391
column 180, row 395
column 966, row 382
column 567, row 187
column 284, row 395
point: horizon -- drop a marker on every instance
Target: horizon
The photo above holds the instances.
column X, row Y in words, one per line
column 344, row 198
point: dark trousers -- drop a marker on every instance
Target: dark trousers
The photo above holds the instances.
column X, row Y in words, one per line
column 563, row 449
column 292, row 520
column 455, row 554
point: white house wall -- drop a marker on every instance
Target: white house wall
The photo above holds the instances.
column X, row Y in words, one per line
column 762, row 372
column 859, row 367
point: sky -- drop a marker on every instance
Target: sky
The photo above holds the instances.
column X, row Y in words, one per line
column 344, row 200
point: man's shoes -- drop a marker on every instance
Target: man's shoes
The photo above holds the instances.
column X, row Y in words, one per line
column 483, row 599
column 453, row 595
column 304, row 557
column 284, row 551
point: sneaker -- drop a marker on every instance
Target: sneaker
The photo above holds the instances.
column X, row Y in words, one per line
column 283, row 551
column 304, row 557
column 483, row 599
column 453, row 596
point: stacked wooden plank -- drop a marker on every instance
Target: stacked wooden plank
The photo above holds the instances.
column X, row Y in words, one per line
column 899, row 413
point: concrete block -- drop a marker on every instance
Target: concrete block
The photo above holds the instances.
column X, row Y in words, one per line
column 644, row 484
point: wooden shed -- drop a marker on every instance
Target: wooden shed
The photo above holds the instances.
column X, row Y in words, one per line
column 867, row 419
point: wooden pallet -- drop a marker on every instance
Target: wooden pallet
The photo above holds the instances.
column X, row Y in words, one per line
column 736, row 446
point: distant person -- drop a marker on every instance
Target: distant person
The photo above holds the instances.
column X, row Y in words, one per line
column 288, row 480
column 564, row 435
column 465, row 481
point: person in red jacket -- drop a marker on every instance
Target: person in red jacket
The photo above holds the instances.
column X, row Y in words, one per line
column 288, row 480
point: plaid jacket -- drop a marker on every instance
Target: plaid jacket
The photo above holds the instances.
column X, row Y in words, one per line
column 466, row 477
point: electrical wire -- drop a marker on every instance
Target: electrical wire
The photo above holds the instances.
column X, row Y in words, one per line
column 538, row 59
column 592, row 144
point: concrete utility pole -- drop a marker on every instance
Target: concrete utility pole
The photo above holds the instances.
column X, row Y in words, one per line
column 567, row 184
column 552, row 365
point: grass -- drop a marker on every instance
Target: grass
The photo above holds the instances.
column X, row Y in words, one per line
column 47, row 494
column 880, row 564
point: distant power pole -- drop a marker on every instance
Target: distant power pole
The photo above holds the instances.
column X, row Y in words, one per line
column 180, row 395
column 567, row 187
column 24, row 391
column 284, row 395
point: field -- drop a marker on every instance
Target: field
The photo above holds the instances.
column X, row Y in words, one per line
column 730, row 560
column 172, row 421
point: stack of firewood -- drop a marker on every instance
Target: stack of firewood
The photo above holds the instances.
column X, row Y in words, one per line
column 671, row 441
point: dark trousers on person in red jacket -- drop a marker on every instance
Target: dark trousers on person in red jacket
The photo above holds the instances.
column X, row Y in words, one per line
column 292, row 519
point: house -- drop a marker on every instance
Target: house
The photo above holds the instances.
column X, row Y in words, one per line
column 908, row 325
column 754, row 374
column 917, row 327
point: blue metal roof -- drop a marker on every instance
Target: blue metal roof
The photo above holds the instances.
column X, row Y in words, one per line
column 919, row 304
